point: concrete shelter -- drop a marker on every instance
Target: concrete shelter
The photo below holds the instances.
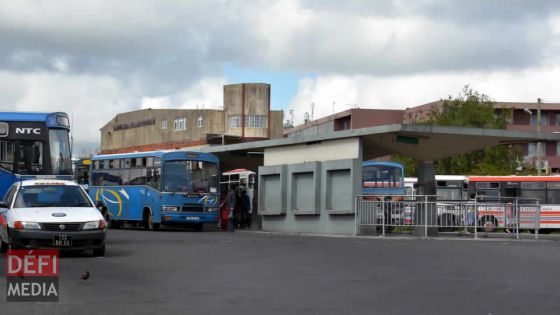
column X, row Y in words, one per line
column 326, row 168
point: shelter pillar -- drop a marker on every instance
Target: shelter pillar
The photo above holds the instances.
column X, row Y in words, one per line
column 426, row 213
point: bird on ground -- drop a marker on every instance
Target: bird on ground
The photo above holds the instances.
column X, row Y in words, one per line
column 85, row 276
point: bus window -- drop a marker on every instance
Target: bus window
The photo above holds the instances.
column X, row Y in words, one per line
column 252, row 181
column 553, row 193
column 154, row 178
column 60, row 152
column 7, row 154
column 138, row 176
column 30, row 157
column 534, row 194
column 449, row 193
column 486, row 185
column 533, row 185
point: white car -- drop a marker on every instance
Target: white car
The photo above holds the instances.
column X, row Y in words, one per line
column 51, row 214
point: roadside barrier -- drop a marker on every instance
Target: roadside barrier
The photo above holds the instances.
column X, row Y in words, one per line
column 421, row 215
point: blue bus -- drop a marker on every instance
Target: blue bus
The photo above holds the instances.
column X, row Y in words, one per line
column 383, row 178
column 33, row 145
column 157, row 187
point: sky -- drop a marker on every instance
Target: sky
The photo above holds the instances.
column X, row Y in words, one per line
column 94, row 59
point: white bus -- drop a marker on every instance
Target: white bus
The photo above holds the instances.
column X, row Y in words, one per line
column 241, row 179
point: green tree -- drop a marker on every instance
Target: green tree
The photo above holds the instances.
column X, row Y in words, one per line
column 471, row 109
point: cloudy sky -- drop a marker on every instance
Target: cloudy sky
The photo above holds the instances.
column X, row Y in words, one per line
column 94, row 59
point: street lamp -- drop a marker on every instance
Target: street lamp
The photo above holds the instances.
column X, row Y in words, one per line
column 528, row 111
column 539, row 130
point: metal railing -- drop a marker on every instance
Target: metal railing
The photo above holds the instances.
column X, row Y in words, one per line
column 422, row 215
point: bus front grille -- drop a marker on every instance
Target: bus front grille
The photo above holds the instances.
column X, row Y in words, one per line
column 192, row 208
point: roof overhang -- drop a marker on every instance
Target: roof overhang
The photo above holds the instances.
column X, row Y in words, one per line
column 421, row 142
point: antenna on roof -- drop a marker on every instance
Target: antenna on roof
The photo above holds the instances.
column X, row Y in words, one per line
column 312, row 110
column 292, row 116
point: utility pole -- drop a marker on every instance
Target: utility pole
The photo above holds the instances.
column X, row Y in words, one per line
column 539, row 130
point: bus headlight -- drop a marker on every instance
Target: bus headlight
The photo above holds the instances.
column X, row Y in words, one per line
column 169, row 208
column 211, row 209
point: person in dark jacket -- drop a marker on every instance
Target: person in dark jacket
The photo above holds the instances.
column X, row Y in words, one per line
column 245, row 207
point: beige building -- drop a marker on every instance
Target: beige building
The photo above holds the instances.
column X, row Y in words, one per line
column 246, row 117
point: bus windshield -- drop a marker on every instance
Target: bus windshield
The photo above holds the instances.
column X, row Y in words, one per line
column 190, row 176
column 449, row 194
column 381, row 176
column 60, row 152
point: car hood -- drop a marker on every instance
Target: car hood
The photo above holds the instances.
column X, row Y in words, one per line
column 58, row 214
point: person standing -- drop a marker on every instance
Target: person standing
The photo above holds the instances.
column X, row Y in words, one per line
column 245, row 207
column 230, row 202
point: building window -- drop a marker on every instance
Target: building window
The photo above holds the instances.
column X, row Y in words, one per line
column 557, row 119
column 235, row 121
column 533, row 149
column 180, row 124
column 544, row 118
column 164, row 124
column 200, row 122
column 251, row 121
column 557, row 148
column 256, row 121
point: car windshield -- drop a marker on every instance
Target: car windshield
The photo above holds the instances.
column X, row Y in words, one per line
column 51, row 196
column 190, row 176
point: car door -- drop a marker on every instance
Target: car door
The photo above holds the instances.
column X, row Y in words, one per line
column 8, row 198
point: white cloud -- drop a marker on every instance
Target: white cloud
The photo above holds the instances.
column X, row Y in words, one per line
column 400, row 92
column 92, row 100
column 96, row 59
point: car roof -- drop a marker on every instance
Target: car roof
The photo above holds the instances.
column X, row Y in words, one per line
column 46, row 182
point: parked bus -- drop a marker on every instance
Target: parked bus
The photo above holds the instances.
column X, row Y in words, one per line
column 34, row 145
column 503, row 189
column 448, row 187
column 81, row 172
column 449, row 190
column 242, row 179
column 383, row 178
column 158, row 187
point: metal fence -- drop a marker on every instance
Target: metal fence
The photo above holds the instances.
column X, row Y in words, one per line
column 425, row 215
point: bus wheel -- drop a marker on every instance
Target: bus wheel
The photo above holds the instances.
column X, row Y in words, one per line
column 488, row 224
column 149, row 222
column 198, row 227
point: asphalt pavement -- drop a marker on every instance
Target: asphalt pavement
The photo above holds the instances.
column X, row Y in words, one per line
column 185, row 272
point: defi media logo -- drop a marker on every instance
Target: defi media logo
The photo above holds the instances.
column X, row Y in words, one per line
column 32, row 276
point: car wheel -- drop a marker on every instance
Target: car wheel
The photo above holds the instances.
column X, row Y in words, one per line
column 99, row 252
